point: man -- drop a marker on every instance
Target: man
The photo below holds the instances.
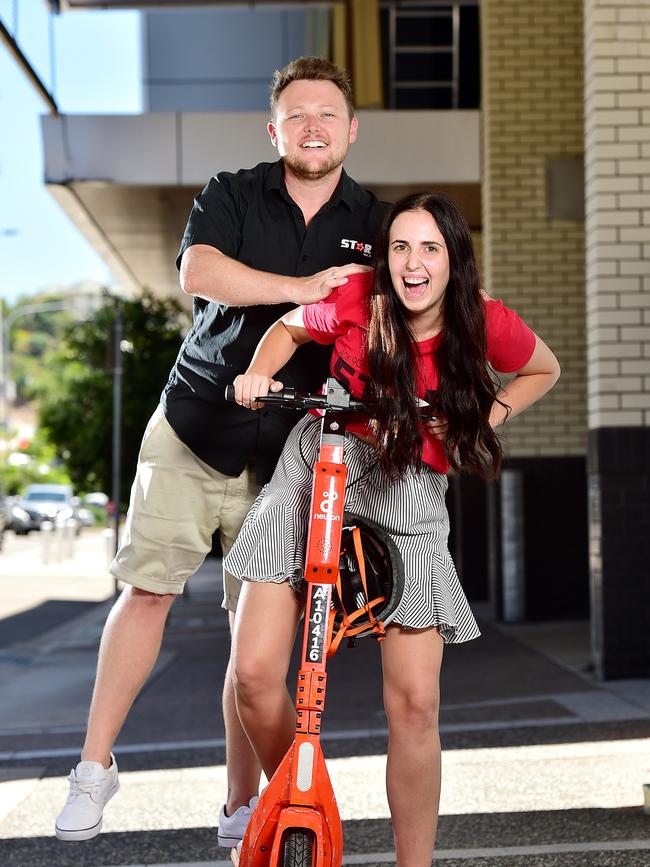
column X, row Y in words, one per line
column 257, row 242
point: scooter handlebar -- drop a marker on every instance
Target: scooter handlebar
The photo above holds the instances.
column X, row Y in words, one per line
column 289, row 398
column 335, row 399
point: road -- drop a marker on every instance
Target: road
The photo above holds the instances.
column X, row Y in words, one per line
column 541, row 766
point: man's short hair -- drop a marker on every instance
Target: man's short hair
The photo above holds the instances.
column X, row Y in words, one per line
column 311, row 69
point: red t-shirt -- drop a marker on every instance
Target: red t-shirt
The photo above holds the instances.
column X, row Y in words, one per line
column 342, row 319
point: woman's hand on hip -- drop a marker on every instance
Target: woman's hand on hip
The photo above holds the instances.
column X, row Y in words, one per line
column 437, row 427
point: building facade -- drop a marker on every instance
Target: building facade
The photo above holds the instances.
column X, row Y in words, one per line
column 545, row 144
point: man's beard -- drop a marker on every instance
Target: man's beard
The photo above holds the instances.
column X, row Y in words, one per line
column 302, row 169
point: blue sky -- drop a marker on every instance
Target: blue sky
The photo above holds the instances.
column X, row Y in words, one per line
column 95, row 69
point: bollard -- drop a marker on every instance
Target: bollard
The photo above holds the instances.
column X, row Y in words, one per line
column 512, row 546
column 46, row 535
column 67, row 539
column 59, row 544
column 109, row 541
column 61, row 538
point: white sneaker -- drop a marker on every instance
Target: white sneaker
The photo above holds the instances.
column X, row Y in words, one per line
column 232, row 828
column 91, row 788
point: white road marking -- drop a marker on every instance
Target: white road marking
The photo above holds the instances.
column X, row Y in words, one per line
column 571, row 776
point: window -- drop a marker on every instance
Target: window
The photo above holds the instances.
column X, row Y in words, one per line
column 431, row 54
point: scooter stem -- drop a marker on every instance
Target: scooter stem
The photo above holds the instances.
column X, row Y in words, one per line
column 300, row 797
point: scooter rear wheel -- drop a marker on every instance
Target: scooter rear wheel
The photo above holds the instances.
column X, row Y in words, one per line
column 298, row 849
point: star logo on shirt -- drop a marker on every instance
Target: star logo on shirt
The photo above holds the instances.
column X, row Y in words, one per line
column 357, row 246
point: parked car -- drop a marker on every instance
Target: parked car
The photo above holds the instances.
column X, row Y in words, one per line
column 96, row 498
column 53, row 503
column 17, row 518
column 86, row 517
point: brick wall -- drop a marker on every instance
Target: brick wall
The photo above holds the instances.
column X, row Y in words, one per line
column 533, row 111
column 617, row 120
column 617, row 135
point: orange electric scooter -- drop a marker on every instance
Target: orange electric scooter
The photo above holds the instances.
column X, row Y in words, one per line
column 296, row 822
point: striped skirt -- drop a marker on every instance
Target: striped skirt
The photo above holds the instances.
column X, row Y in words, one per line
column 271, row 543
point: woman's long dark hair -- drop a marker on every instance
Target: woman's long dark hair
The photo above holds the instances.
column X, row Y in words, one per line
column 466, row 389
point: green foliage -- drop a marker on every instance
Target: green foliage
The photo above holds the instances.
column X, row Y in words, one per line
column 101, row 515
column 76, row 398
column 34, row 337
column 14, row 479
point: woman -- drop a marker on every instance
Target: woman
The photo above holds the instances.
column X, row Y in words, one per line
column 419, row 328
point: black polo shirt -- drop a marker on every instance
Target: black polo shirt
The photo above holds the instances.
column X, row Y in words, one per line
column 250, row 217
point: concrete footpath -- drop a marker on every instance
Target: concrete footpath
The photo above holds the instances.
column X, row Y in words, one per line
column 542, row 765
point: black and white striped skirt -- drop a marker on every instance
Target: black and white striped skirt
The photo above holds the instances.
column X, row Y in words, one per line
column 271, row 543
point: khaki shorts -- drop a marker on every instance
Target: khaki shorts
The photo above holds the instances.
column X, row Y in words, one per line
column 177, row 503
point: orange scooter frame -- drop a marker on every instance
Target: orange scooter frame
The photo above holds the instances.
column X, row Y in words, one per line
column 296, row 822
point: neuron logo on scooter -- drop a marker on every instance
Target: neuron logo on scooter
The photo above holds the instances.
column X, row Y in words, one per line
column 325, row 506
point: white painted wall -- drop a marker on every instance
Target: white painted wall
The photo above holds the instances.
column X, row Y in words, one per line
column 405, row 147
column 617, row 170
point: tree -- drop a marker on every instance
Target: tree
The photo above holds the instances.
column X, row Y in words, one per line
column 76, row 408
column 33, row 338
column 35, row 461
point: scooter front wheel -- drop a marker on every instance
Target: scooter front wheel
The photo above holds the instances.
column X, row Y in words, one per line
column 298, row 849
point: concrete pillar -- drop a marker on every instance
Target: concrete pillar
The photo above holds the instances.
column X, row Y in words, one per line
column 617, row 135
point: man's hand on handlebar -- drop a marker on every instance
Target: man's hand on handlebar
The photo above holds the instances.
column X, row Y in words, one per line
column 319, row 286
column 251, row 385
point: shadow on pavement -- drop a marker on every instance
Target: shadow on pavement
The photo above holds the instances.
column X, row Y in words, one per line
column 16, row 769
column 36, row 621
column 471, row 831
column 192, row 844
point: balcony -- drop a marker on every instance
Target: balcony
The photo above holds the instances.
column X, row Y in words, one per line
column 127, row 182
